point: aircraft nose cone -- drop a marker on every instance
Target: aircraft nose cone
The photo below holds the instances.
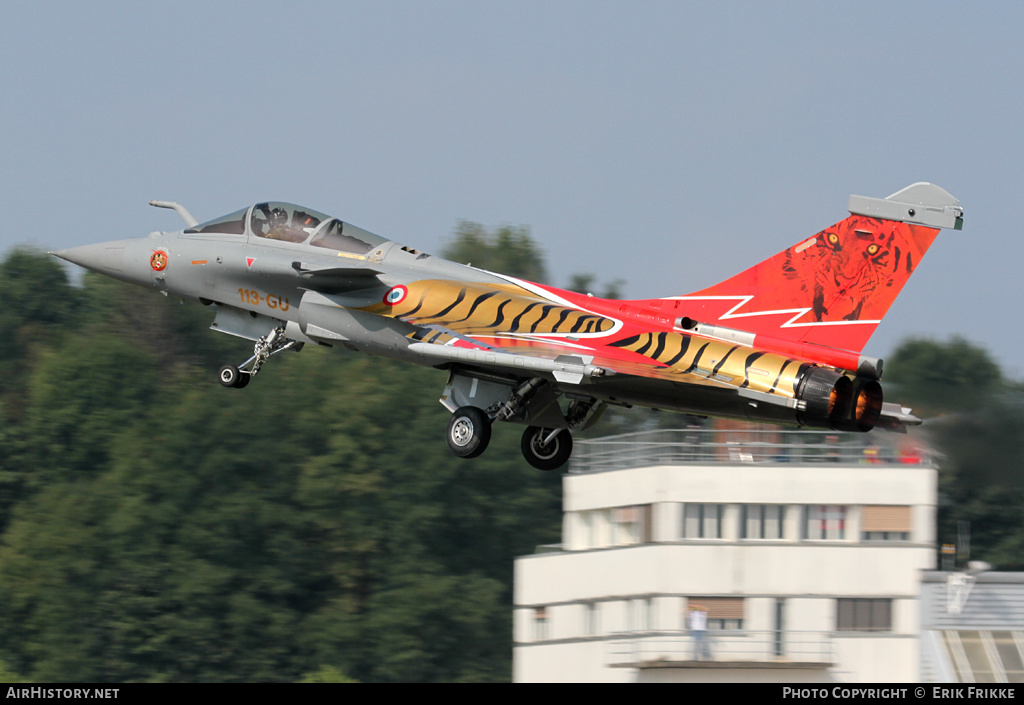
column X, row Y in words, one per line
column 104, row 257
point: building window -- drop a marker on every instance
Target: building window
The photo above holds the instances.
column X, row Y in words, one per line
column 978, row 656
column 864, row 615
column 722, row 612
column 885, row 535
column 640, row 615
column 702, row 521
column 541, row 628
column 618, row 526
column 631, row 525
column 885, row 523
column 762, row 521
column 589, row 522
column 591, row 625
column 824, row 522
column 724, row 624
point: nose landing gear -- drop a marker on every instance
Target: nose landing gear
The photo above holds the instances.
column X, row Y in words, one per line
column 231, row 376
column 237, row 376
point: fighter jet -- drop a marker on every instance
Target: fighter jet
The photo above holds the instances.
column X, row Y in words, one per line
column 779, row 343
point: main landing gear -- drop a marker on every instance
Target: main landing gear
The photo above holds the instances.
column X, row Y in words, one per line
column 546, row 447
column 469, row 433
column 237, row 376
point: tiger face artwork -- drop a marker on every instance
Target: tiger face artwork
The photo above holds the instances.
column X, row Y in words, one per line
column 853, row 270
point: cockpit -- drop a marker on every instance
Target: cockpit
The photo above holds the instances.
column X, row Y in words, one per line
column 286, row 222
column 282, row 221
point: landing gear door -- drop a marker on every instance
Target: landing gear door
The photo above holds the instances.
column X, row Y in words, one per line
column 463, row 390
column 243, row 324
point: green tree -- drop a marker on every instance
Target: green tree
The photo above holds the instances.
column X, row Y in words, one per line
column 327, row 674
column 175, row 332
column 584, row 284
column 982, row 478
column 35, row 287
column 212, row 534
column 422, row 541
column 977, row 425
column 8, row 676
column 507, row 250
column 158, row 527
column 178, row 555
column 38, row 302
column 938, row 378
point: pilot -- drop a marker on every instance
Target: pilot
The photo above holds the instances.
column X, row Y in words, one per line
column 277, row 225
column 279, row 229
column 278, row 218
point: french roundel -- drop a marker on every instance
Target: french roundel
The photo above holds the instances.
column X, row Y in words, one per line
column 395, row 295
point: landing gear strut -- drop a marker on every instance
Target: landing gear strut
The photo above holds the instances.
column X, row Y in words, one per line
column 236, row 376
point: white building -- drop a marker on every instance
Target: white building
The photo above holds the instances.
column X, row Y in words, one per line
column 805, row 549
column 972, row 627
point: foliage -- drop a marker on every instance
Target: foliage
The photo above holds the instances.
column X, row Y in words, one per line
column 511, row 250
column 978, row 426
column 8, row 676
column 327, row 674
column 37, row 300
column 941, row 378
column 158, row 527
column 584, row 284
column 508, row 250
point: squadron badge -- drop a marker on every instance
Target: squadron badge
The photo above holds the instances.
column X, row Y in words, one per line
column 158, row 260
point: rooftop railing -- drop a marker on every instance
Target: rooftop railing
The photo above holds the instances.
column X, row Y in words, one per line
column 702, row 446
column 782, row 648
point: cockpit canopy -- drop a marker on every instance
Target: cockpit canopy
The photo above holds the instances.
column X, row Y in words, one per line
column 287, row 222
column 283, row 221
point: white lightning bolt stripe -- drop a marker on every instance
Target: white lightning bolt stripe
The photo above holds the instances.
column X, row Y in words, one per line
column 743, row 300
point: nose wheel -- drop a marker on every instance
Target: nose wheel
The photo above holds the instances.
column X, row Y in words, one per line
column 469, row 432
column 231, row 376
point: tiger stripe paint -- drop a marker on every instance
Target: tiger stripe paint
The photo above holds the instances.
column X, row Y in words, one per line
column 508, row 316
column 709, row 361
column 489, row 309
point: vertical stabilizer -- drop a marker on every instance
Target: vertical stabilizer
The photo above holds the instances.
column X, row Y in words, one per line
column 834, row 288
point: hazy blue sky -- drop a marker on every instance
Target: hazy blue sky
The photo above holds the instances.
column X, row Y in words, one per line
column 669, row 144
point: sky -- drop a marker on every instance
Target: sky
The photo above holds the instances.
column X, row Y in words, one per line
column 667, row 144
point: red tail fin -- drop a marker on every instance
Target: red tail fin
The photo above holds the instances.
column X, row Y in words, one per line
column 834, row 288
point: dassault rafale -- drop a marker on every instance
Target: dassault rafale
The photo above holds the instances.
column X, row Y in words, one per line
column 778, row 343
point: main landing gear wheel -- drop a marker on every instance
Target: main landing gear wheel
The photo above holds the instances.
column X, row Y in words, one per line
column 551, row 456
column 469, row 432
column 231, row 376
